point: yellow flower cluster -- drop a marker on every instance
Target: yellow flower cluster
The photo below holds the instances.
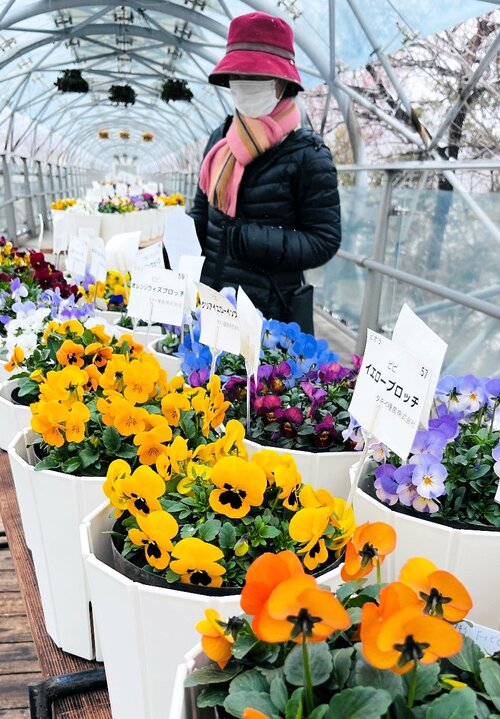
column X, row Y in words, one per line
column 175, row 199
column 11, row 256
column 117, row 285
column 63, row 203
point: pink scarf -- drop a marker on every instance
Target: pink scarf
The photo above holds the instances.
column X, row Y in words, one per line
column 246, row 139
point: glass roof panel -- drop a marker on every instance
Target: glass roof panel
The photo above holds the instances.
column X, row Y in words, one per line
column 142, row 43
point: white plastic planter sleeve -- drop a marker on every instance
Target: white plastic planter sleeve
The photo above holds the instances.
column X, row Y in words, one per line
column 52, row 506
column 144, row 631
column 323, row 470
column 4, row 375
column 471, row 555
column 170, row 363
column 181, row 706
column 13, row 417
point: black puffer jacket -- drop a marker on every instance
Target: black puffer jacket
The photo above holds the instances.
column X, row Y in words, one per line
column 287, row 221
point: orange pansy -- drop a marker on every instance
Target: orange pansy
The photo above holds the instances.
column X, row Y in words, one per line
column 49, row 421
column 16, row 359
column 263, row 575
column 78, row 415
column 151, row 443
column 99, row 353
column 441, row 593
column 296, row 609
column 130, row 419
column 216, row 643
column 70, row 354
column 371, row 543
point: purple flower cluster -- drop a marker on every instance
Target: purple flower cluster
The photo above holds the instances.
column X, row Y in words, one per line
column 461, row 402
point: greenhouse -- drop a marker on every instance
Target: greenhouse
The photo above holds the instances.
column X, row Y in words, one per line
column 249, row 359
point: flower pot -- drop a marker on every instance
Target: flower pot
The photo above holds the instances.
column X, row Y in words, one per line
column 110, row 317
column 323, row 470
column 470, row 554
column 183, row 704
column 141, row 334
column 144, row 630
column 13, row 416
column 52, row 505
column 170, row 363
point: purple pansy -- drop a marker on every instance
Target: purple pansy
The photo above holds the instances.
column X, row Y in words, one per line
column 290, row 420
column 386, row 487
column 429, row 477
column 429, row 442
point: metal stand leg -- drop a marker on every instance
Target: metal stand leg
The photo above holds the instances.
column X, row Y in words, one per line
column 43, row 694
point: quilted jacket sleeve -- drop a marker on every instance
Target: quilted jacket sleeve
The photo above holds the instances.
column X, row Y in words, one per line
column 317, row 235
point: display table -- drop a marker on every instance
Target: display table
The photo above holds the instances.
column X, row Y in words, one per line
column 64, row 674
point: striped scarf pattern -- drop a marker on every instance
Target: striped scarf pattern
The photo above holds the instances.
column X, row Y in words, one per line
column 246, row 139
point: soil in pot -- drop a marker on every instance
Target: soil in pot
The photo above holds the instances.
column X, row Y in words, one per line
column 366, row 484
column 133, row 569
column 21, row 400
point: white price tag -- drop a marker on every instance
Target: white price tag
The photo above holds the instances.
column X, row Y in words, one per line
column 149, row 258
column 390, row 390
column 250, row 331
column 78, row 251
column 488, row 639
column 220, row 328
column 191, row 266
column 179, row 236
column 157, row 295
column 98, row 265
column 411, row 333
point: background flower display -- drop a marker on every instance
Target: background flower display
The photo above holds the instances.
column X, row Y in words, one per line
column 116, row 204
column 453, row 471
column 302, row 392
column 370, row 650
column 168, row 200
column 63, row 203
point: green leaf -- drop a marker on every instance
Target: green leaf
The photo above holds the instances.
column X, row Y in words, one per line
column 354, row 614
column 88, row 456
column 319, row 712
column 294, row 706
column 211, row 675
column 279, row 693
column 71, row 465
column 236, row 703
column 111, row 439
column 243, row 644
column 345, row 590
column 458, row 704
column 126, row 451
column 490, row 676
column 359, row 703
column 227, row 536
column 400, row 710
column 341, row 667
column 320, row 661
column 249, row 681
column 209, row 530
column 211, row 697
column 47, row 463
column 368, row 676
column 427, row 679
column 468, row 657
column 269, row 532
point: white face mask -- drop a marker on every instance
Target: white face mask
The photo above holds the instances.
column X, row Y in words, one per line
column 254, row 98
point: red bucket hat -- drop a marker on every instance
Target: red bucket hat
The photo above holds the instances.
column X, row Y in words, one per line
column 257, row 44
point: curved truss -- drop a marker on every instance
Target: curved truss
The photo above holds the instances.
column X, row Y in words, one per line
column 172, row 38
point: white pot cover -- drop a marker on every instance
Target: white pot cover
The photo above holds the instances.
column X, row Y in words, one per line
column 13, row 417
column 183, row 705
column 170, row 363
column 324, row 470
column 52, row 505
column 471, row 555
column 144, row 631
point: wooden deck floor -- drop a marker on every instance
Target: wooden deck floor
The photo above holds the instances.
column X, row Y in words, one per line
column 18, row 661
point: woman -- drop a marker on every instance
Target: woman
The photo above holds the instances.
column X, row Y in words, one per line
column 267, row 206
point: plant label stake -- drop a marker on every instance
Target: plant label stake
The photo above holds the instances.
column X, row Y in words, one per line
column 250, row 340
column 411, row 333
column 394, row 381
column 149, row 321
column 219, row 324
